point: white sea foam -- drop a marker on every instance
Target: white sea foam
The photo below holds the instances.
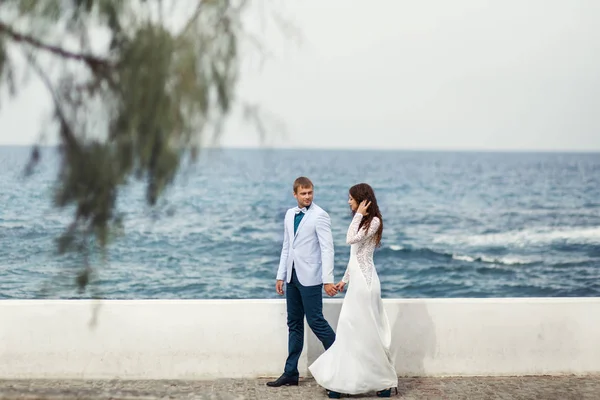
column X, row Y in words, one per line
column 509, row 260
column 526, row 237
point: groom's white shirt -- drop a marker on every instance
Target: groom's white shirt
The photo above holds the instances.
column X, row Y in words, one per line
column 310, row 250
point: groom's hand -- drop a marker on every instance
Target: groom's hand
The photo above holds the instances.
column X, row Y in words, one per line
column 330, row 289
column 279, row 287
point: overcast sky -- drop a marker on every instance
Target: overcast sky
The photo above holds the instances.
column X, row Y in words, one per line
column 461, row 74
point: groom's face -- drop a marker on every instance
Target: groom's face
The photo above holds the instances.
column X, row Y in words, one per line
column 304, row 196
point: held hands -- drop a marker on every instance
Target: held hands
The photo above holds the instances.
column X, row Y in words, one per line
column 330, row 289
column 363, row 207
column 340, row 286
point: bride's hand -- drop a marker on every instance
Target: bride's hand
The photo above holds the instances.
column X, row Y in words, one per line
column 340, row 286
column 363, row 207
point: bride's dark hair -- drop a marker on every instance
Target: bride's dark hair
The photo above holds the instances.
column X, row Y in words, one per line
column 361, row 192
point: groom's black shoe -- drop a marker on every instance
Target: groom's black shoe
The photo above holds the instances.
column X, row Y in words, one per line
column 284, row 380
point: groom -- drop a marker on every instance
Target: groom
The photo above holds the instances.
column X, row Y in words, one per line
column 306, row 265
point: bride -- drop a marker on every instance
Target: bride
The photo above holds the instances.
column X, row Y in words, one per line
column 360, row 359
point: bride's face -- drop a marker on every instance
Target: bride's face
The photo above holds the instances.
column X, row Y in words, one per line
column 352, row 203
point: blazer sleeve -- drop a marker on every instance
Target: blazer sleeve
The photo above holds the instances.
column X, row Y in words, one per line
column 323, row 228
column 282, row 270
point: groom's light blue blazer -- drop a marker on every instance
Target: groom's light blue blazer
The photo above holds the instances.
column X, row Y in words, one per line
column 310, row 250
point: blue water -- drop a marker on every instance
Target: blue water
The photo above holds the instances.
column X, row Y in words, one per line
column 456, row 225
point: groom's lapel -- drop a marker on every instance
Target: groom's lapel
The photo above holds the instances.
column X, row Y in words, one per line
column 291, row 226
column 306, row 215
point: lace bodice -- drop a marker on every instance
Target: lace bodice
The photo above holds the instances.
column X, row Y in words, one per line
column 363, row 243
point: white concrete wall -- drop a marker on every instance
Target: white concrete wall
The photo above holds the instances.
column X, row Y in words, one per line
column 142, row 339
column 204, row 339
column 512, row 336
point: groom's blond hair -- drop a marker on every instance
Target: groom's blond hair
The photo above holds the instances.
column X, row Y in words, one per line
column 302, row 181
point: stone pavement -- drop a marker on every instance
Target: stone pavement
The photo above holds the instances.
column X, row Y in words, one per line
column 488, row 388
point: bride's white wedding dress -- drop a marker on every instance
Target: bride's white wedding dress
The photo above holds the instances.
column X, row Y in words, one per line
column 360, row 359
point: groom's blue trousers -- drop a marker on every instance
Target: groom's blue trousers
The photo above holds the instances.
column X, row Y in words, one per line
column 301, row 301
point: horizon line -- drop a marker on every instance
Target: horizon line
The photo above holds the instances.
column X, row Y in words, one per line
column 381, row 149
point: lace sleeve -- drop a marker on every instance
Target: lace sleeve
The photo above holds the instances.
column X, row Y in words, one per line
column 355, row 235
column 346, row 277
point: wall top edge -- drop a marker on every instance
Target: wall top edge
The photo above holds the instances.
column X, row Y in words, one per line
column 497, row 300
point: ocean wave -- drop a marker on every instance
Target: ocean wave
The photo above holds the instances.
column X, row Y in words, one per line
column 526, row 237
column 428, row 253
column 496, row 260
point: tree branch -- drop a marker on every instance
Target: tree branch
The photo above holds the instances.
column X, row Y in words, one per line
column 193, row 18
column 66, row 132
column 91, row 60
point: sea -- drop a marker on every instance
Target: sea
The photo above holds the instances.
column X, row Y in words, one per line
column 456, row 224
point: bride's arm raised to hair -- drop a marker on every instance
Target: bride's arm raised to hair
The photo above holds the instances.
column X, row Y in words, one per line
column 355, row 235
